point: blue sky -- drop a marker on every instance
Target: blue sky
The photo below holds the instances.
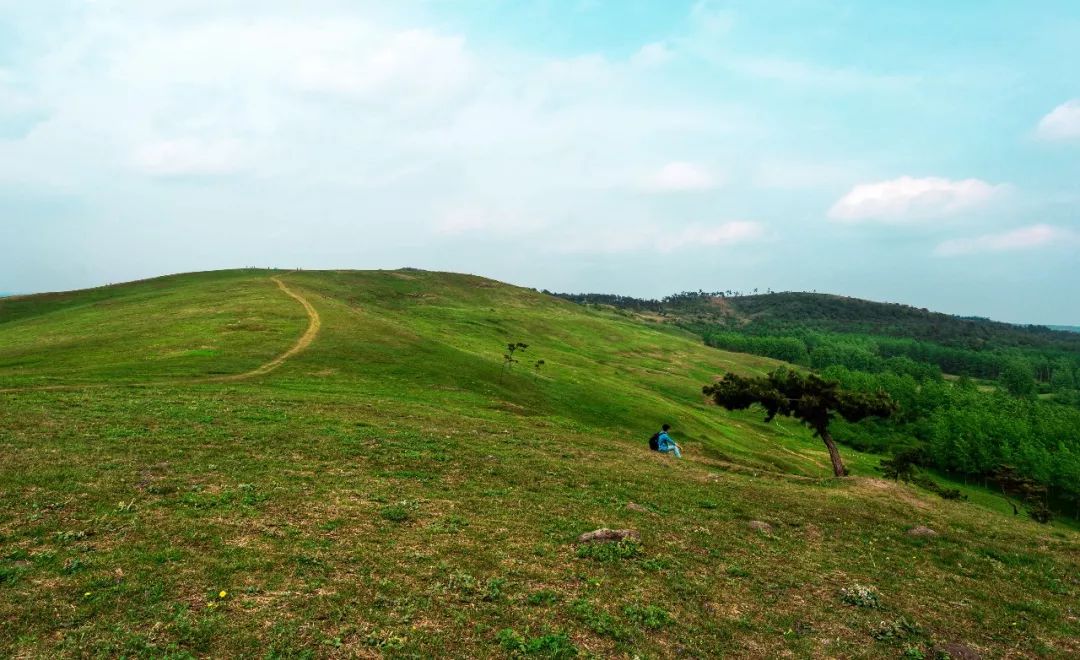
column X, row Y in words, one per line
column 917, row 152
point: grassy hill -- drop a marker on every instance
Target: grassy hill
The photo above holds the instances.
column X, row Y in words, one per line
column 173, row 487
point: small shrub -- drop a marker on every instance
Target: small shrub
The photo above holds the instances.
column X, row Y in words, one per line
column 553, row 645
column 250, row 496
column 9, row 575
column 463, row 584
column 543, row 597
column 934, row 487
column 69, row 536
column 649, row 616
column 511, row 641
column 861, row 596
column 737, row 571
column 385, row 640
column 897, row 629
column 598, row 621
column 655, row 564
column 451, row 524
column 394, row 513
column 73, row 566
column 494, row 589
column 610, row 552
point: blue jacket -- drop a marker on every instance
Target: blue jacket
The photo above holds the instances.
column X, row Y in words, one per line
column 664, row 441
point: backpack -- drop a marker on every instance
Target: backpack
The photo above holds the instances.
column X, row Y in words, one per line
column 654, row 441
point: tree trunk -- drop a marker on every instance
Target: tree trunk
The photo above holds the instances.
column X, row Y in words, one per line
column 834, row 454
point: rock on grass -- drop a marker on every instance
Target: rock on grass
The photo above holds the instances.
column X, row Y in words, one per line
column 605, row 535
column 921, row 530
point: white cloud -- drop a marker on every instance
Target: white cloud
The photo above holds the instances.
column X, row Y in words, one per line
column 189, row 157
column 796, row 72
column 712, row 236
column 654, row 54
column 1024, row 238
column 909, row 198
column 485, row 220
column 1062, row 123
column 651, row 237
column 680, row 176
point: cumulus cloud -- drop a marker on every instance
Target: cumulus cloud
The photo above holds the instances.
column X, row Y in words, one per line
column 680, row 176
column 1062, row 123
column 909, row 198
column 1024, row 238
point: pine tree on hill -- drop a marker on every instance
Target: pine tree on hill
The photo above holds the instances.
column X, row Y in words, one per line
column 808, row 398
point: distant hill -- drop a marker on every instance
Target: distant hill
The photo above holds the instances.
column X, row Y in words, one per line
column 1065, row 328
column 833, row 313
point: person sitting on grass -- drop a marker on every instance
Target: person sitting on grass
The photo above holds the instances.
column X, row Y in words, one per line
column 666, row 444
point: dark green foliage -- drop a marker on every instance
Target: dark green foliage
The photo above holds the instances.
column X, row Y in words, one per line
column 962, row 429
column 929, row 484
column 552, row 645
column 1018, row 377
column 511, row 350
column 788, row 349
column 903, row 464
column 808, row 398
column 1030, row 492
column 812, row 400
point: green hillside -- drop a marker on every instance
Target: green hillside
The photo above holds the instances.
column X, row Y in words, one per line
column 199, row 465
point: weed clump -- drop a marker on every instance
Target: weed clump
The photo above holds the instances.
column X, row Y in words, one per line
column 598, row 621
column 551, row 645
column 896, row 629
column 859, row 595
column 543, row 597
column 649, row 616
column 394, row 513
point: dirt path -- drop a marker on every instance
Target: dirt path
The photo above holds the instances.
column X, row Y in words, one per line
column 314, row 325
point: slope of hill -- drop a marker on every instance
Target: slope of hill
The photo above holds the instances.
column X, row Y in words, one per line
column 181, row 478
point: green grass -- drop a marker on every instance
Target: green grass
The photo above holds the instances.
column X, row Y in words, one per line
column 390, row 490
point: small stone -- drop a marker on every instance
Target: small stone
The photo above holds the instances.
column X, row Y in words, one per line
column 921, row 530
column 631, row 506
column 605, row 535
column 761, row 526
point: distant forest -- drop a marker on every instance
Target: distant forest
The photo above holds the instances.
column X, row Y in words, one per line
column 978, row 398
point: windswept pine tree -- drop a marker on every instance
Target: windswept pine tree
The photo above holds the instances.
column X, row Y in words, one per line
column 808, row 398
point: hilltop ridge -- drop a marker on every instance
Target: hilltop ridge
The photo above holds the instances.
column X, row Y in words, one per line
column 836, row 313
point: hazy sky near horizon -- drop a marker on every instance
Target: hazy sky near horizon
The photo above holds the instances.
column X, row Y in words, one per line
column 918, row 152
